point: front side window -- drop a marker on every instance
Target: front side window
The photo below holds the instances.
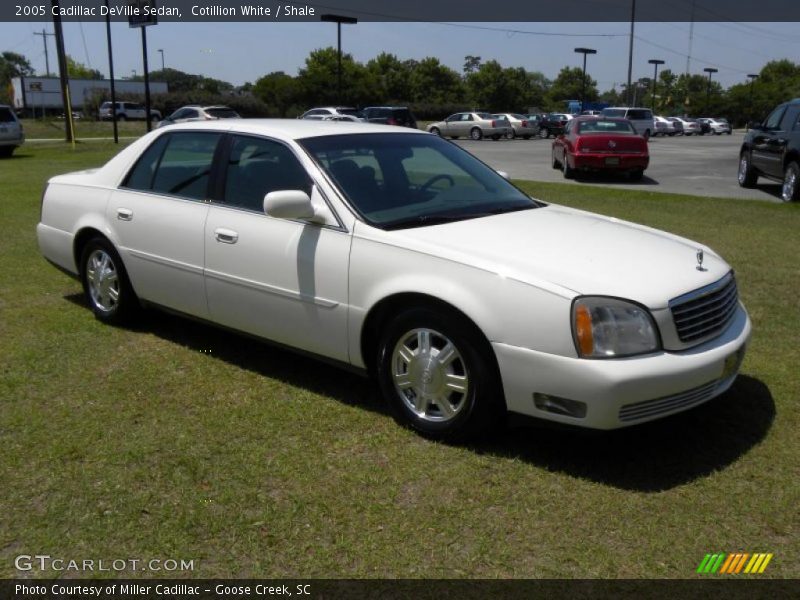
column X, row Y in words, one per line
column 640, row 115
column 257, row 167
column 410, row 180
column 176, row 164
column 774, row 118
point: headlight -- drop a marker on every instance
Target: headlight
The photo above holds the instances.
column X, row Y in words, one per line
column 611, row 328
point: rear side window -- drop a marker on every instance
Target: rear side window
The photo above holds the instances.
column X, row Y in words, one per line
column 257, row 167
column 178, row 164
column 6, row 116
column 222, row 113
column 639, row 115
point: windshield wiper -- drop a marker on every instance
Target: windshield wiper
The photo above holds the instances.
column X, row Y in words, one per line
column 425, row 220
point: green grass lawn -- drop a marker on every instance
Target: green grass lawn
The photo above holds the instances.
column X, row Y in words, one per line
column 176, row 440
column 84, row 128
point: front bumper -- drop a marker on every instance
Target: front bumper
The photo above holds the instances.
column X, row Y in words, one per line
column 622, row 392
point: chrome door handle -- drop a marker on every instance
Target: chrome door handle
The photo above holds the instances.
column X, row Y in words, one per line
column 125, row 214
column 226, row 236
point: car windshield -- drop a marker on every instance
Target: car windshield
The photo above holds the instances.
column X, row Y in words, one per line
column 412, row 180
column 601, row 126
column 222, row 113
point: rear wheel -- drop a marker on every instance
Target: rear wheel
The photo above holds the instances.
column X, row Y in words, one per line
column 105, row 283
column 568, row 171
column 555, row 162
column 475, row 133
column 438, row 374
column 746, row 176
column 790, row 191
column 544, row 133
column 511, row 135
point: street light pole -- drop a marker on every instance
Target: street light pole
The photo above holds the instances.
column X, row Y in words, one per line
column 710, row 71
column 338, row 19
column 161, row 51
column 655, row 62
column 584, row 51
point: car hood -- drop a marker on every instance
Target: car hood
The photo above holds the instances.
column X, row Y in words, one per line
column 573, row 252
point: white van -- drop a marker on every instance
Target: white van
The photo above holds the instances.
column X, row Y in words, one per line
column 640, row 118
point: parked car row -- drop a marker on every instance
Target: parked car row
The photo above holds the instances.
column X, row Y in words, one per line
column 687, row 126
column 383, row 115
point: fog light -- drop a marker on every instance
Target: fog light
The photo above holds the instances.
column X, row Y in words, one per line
column 559, row 406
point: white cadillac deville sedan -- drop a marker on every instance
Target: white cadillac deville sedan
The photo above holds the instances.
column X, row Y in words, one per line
column 401, row 255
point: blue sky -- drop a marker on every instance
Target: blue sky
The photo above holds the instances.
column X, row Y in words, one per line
column 239, row 52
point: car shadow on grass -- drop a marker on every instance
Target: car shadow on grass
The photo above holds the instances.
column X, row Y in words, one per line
column 614, row 178
column 655, row 456
column 652, row 457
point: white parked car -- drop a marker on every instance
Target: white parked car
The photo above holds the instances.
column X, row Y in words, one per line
column 475, row 125
column 195, row 112
column 663, row 127
column 398, row 253
column 12, row 135
column 718, row 126
column 320, row 114
column 127, row 111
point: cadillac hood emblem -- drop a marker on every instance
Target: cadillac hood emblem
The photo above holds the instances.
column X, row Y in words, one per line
column 700, row 257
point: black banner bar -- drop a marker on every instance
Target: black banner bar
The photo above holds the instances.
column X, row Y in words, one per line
column 526, row 11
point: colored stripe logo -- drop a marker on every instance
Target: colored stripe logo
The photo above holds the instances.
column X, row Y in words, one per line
column 732, row 564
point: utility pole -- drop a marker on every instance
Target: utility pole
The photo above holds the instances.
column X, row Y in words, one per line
column 630, row 51
column 62, row 70
column 655, row 62
column 710, row 71
column 161, row 51
column 44, row 35
column 111, row 76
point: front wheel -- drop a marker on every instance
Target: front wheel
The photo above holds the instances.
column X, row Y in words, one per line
column 435, row 131
column 746, row 176
column 790, row 191
column 438, row 374
column 544, row 133
column 476, row 134
column 105, row 283
column 569, row 172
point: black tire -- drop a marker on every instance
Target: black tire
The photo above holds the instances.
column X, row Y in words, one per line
column 511, row 135
column 122, row 118
column 112, row 311
column 790, row 190
column 747, row 175
column 569, row 172
column 476, row 134
column 436, row 131
column 636, row 175
column 6, row 151
column 526, row 137
column 556, row 164
column 474, row 412
column 544, row 133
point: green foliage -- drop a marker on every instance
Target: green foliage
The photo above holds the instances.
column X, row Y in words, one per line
column 78, row 70
column 568, row 86
column 11, row 65
column 491, row 87
column 279, row 90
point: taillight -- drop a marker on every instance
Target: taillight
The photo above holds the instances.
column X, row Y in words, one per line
column 524, row 123
column 391, row 121
column 494, row 123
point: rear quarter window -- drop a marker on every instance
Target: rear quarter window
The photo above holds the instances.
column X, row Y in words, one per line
column 6, row 116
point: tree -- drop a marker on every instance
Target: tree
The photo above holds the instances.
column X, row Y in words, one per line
column 471, row 64
column 494, row 88
column 569, row 85
column 80, row 71
column 320, row 85
column 278, row 90
column 11, row 65
column 392, row 77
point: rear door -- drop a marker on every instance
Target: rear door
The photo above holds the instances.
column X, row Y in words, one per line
column 158, row 216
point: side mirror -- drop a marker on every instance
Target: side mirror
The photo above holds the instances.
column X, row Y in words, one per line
column 504, row 175
column 289, row 204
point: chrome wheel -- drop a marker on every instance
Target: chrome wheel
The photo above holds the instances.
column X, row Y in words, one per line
column 789, row 191
column 430, row 375
column 103, row 281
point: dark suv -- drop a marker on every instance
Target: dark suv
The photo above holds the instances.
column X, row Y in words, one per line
column 772, row 149
column 390, row 115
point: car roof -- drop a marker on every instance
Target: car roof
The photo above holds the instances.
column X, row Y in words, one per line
column 290, row 128
column 392, row 107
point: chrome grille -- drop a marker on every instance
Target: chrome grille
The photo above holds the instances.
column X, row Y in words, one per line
column 666, row 404
column 705, row 312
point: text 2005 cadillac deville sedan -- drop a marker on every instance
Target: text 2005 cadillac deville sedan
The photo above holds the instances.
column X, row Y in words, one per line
column 398, row 253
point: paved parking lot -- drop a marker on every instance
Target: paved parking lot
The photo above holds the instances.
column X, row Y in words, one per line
column 699, row 165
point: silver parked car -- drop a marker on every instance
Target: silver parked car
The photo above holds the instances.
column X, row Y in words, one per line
column 475, row 125
column 199, row 113
column 520, row 127
column 127, row 111
column 718, row 126
column 664, row 127
column 11, row 133
column 686, row 126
